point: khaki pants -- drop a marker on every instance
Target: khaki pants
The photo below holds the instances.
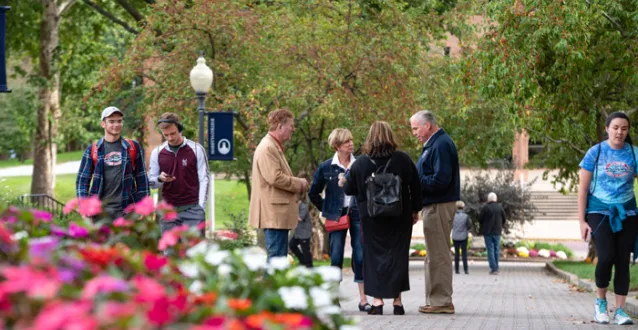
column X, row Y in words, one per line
column 437, row 225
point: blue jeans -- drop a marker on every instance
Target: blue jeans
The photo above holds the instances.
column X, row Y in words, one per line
column 338, row 243
column 276, row 242
column 493, row 245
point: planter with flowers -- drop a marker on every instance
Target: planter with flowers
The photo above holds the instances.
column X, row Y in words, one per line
column 116, row 275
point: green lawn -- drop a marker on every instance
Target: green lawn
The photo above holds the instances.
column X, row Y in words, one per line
column 13, row 187
column 230, row 195
column 586, row 271
column 62, row 158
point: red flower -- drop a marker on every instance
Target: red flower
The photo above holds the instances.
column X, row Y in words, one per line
column 154, row 262
column 159, row 314
column 101, row 256
column 239, row 304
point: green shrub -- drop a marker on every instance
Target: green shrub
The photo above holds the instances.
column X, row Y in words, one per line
column 418, row 246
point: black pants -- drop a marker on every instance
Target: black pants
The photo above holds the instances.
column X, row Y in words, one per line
column 613, row 250
column 460, row 245
column 303, row 254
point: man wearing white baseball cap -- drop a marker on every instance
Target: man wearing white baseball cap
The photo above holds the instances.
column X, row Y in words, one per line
column 113, row 168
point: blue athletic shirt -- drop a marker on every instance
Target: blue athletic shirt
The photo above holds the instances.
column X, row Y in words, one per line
column 613, row 182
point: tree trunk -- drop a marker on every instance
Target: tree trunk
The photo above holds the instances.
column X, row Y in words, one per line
column 45, row 148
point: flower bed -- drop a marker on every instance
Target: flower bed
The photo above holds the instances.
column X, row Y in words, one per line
column 116, row 275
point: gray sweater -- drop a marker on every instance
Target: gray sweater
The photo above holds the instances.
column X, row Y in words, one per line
column 461, row 227
column 304, row 227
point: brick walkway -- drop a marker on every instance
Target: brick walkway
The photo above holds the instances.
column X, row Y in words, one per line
column 522, row 296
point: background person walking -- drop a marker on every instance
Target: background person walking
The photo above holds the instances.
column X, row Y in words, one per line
column 461, row 227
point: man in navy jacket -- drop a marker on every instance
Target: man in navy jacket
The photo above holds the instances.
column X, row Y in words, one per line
column 439, row 174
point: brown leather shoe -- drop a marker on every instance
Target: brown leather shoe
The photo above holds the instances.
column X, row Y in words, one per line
column 449, row 309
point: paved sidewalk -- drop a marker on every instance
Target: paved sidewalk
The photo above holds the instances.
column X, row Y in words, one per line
column 27, row 170
column 522, row 296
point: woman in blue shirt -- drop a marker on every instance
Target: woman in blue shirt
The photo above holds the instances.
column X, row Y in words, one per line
column 607, row 210
column 336, row 203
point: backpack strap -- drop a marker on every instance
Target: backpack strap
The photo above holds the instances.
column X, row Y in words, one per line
column 132, row 152
column 94, row 153
column 596, row 167
column 385, row 168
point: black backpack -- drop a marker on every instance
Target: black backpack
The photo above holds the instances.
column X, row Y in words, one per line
column 383, row 192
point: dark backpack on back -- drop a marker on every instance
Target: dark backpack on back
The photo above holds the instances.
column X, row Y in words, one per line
column 383, row 192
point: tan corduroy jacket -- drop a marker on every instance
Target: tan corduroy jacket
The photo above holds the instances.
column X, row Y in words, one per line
column 273, row 199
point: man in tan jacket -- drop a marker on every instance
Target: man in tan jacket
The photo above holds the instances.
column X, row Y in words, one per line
column 273, row 203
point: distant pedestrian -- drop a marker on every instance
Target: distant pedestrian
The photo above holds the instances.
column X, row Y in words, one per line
column 460, row 230
column 300, row 242
column 492, row 220
column 607, row 210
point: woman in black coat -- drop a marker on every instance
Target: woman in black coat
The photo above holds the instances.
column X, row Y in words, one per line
column 386, row 239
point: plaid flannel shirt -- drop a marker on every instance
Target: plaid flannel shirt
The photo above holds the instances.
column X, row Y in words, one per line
column 134, row 185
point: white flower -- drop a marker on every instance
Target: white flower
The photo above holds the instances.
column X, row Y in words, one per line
column 224, row 270
column 349, row 327
column 298, row 272
column 255, row 262
column 329, row 273
column 215, row 258
column 411, row 251
column 196, row 287
column 328, row 310
column 199, row 248
column 189, row 269
column 544, row 253
column 19, row 235
column 561, row 255
column 278, row 263
column 522, row 249
column 320, row 297
column 294, row 297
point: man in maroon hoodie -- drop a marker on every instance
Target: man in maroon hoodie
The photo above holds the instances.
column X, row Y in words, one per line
column 180, row 168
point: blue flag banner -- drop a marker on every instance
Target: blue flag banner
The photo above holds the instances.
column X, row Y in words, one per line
column 221, row 143
column 3, row 64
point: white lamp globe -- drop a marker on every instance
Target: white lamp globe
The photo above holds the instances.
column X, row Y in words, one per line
column 201, row 76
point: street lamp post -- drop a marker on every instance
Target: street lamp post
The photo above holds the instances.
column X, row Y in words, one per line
column 201, row 80
column 3, row 66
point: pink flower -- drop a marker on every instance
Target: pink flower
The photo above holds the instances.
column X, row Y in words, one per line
column 58, row 231
column 70, row 206
column 169, row 216
column 154, row 262
column 89, row 207
column 121, row 222
column 76, row 231
column 163, row 206
column 58, row 315
column 149, row 290
column 171, row 237
column 34, row 283
column 42, row 215
column 145, row 207
column 111, row 311
column 103, row 284
column 226, row 234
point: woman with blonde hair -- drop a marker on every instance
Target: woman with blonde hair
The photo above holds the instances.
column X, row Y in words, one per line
column 387, row 239
column 334, row 204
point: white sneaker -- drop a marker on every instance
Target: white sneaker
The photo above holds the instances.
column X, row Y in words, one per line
column 600, row 312
column 621, row 318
